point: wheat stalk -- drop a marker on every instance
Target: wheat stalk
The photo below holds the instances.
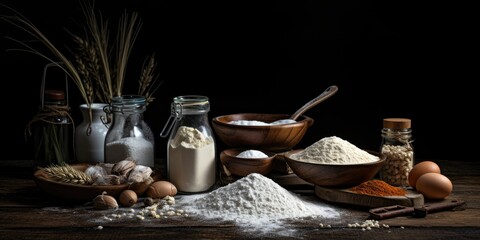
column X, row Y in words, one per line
column 147, row 82
column 67, row 174
column 88, row 65
column 99, row 42
column 129, row 28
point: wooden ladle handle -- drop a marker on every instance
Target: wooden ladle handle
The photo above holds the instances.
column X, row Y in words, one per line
column 320, row 98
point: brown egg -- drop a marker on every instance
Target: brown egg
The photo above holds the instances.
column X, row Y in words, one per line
column 434, row 186
column 160, row 189
column 421, row 168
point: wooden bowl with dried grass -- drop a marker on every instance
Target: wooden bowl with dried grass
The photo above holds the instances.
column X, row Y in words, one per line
column 77, row 192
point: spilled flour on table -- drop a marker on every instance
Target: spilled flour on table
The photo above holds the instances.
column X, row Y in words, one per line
column 256, row 202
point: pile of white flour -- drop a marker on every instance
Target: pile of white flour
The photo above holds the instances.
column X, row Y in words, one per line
column 256, row 201
column 334, row 150
column 252, row 154
column 189, row 137
column 260, row 123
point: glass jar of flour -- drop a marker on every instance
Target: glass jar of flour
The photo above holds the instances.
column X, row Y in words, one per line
column 191, row 164
column 129, row 136
column 397, row 147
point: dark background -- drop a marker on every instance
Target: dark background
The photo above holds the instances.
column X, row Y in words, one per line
column 415, row 60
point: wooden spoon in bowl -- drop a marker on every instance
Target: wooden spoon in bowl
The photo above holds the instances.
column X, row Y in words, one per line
column 320, row 98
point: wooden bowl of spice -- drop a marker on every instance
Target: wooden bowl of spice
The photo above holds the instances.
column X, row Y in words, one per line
column 334, row 162
column 242, row 162
column 269, row 132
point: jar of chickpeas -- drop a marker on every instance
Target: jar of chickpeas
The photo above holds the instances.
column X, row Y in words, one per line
column 397, row 147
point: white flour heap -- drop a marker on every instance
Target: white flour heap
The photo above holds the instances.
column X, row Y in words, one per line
column 334, row 150
column 260, row 123
column 189, row 137
column 252, row 154
column 255, row 200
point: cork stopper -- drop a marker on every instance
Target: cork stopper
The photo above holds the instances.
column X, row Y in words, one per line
column 55, row 95
column 397, row 123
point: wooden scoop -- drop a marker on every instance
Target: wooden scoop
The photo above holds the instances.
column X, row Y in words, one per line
column 320, row 98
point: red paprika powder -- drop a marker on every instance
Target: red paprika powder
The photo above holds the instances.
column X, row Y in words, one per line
column 378, row 188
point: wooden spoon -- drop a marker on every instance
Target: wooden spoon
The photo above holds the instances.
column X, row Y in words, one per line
column 320, row 98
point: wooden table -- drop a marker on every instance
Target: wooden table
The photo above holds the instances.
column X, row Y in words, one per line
column 29, row 213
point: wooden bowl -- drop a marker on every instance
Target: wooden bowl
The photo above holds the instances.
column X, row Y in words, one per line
column 334, row 175
column 274, row 138
column 83, row 193
column 243, row 166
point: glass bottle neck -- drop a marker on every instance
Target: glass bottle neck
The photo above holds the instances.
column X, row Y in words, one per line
column 128, row 104
column 399, row 136
column 191, row 104
column 184, row 106
column 402, row 132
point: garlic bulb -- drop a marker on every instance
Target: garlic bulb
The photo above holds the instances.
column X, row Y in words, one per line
column 115, row 179
column 97, row 173
column 140, row 174
column 124, row 167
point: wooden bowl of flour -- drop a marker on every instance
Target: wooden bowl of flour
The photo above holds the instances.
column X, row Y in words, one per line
column 334, row 175
column 274, row 138
column 243, row 166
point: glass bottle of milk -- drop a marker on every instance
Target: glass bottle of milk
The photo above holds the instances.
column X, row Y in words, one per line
column 191, row 164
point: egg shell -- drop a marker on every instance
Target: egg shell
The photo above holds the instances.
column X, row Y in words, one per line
column 421, row 168
column 434, row 186
column 160, row 189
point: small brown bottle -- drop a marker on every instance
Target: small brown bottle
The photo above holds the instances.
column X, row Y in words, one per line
column 397, row 147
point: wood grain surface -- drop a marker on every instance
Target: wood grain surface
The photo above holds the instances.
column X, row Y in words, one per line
column 29, row 213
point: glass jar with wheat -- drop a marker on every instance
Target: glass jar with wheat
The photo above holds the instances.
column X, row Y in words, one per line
column 52, row 130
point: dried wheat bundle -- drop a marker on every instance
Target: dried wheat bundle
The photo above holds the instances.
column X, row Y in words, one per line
column 96, row 64
column 67, row 174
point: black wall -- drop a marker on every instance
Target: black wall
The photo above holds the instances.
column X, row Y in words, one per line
column 415, row 60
